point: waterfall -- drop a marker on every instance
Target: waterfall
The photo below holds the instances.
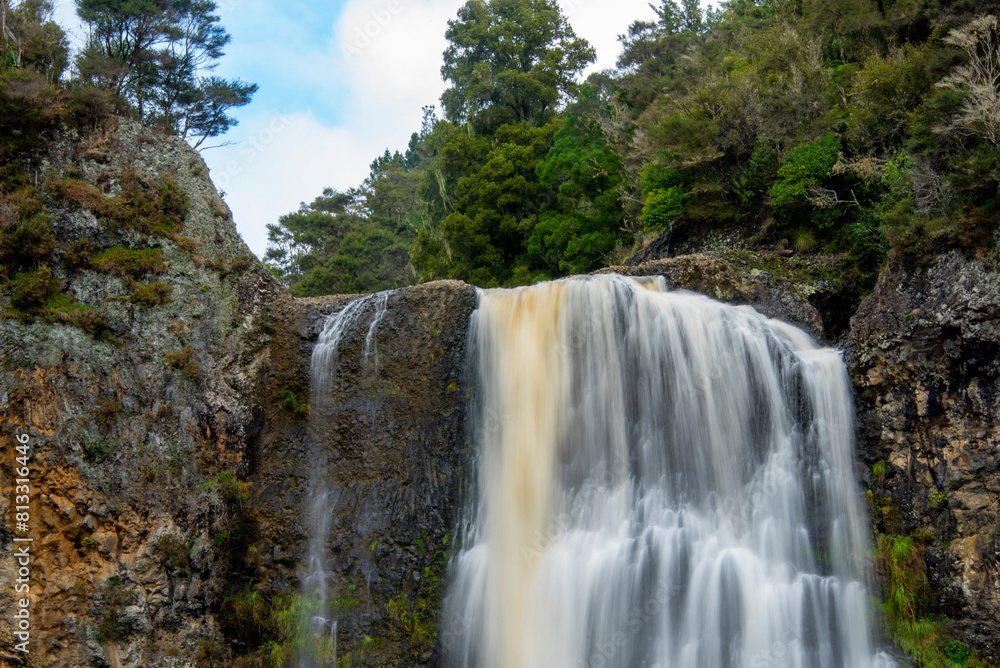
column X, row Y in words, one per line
column 316, row 647
column 661, row 481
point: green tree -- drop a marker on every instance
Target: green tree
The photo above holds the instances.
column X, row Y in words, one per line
column 576, row 232
column 885, row 93
column 192, row 42
column 347, row 242
column 205, row 113
column 496, row 204
column 799, row 189
column 510, row 61
column 153, row 56
column 32, row 40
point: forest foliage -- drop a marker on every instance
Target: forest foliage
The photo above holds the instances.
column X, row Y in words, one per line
column 864, row 128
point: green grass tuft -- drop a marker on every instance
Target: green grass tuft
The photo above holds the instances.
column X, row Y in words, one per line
column 127, row 262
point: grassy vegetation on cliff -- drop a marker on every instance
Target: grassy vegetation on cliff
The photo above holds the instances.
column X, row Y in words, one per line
column 141, row 206
column 271, row 627
column 907, row 611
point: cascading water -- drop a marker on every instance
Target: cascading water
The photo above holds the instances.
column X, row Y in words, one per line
column 662, row 480
column 317, row 641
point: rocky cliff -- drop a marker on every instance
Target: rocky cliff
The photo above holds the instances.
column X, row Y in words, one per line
column 162, row 380
column 140, row 379
column 169, row 434
column 924, row 358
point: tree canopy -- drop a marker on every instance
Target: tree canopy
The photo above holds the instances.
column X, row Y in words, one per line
column 510, row 61
column 153, row 55
column 862, row 128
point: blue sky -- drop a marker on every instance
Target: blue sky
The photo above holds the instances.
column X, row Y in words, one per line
column 339, row 83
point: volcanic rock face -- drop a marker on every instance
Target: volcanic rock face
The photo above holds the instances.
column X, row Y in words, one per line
column 168, row 466
column 132, row 432
column 924, row 361
column 391, row 439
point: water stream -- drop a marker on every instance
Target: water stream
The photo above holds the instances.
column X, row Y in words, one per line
column 661, row 481
column 316, row 646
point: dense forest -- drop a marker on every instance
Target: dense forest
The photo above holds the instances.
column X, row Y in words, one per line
column 864, row 128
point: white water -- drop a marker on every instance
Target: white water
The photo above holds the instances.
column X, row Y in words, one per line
column 316, row 570
column 662, row 481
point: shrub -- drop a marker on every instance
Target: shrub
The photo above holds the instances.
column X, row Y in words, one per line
column 183, row 361
column 28, row 107
column 126, row 262
column 174, row 554
column 664, row 191
column 152, row 294
column 290, row 400
column 869, row 246
column 78, row 193
column 885, row 93
column 31, row 242
column 79, row 254
column 230, row 488
column 211, row 653
column 151, row 209
column 97, row 452
column 31, row 290
column 662, row 208
column 807, row 164
column 89, row 105
column 247, row 616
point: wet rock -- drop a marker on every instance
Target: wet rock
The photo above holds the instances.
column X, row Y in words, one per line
column 726, row 281
column 924, row 356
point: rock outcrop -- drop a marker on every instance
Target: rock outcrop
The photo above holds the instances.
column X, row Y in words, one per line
column 131, row 432
column 768, row 290
column 170, row 452
column 393, row 436
column 924, row 357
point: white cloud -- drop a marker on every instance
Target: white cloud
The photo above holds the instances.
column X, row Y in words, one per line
column 279, row 161
column 600, row 22
column 392, row 49
column 390, row 52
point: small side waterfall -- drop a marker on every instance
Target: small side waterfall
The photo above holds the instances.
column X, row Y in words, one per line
column 317, row 645
column 662, row 481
